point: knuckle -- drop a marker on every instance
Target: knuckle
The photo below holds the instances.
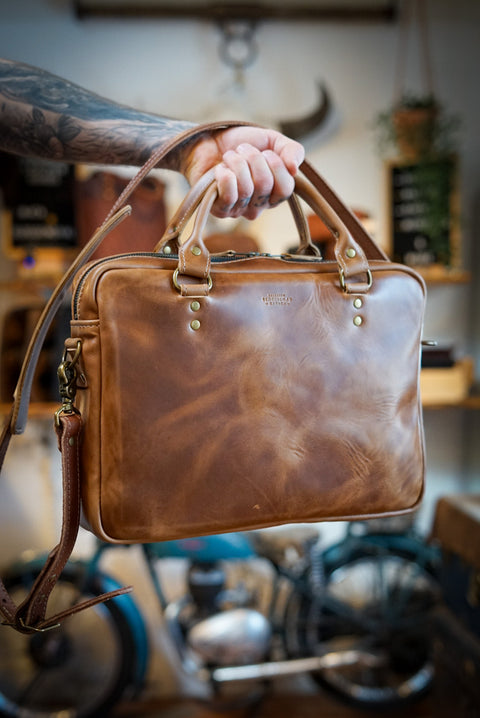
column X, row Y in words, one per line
column 246, row 188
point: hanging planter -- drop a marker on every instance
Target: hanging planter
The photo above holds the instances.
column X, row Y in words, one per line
column 415, row 128
column 419, row 140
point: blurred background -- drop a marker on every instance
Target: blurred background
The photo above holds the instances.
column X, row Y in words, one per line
column 333, row 75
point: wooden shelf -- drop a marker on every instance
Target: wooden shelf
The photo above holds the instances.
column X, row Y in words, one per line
column 36, row 410
column 470, row 402
column 436, row 274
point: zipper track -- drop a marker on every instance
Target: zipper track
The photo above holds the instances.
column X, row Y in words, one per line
column 215, row 258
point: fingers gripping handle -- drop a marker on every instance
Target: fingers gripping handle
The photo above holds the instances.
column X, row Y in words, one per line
column 192, row 201
column 195, row 260
column 193, row 257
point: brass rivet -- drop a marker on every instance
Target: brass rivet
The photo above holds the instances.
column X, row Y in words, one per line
column 167, row 249
column 71, row 441
column 195, row 306
column 351, row 253
column 195, row 324
column 357, row 303
column 196, row 251
column 357, row 320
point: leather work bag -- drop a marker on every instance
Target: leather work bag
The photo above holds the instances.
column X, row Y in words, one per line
column 210, row 393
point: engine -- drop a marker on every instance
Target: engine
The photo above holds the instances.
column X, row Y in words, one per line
column 238, row 636
column 221, row 636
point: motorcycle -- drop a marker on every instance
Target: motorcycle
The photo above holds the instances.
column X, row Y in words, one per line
column 256, row 607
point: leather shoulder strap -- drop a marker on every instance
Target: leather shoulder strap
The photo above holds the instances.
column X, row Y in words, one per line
column 354, row 226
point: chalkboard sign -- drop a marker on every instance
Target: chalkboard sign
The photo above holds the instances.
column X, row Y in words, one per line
column 38, row 199
column 423, row 217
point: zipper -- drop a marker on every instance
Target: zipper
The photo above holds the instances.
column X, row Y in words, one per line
column 229, row 255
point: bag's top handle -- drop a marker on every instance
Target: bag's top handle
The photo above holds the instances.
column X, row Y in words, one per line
column 194, row 257
column 196, row 195
column 353, row 225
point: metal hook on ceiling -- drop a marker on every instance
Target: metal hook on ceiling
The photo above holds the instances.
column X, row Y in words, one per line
column 238, row 48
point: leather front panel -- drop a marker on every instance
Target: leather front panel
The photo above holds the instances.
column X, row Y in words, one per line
column 277, row 409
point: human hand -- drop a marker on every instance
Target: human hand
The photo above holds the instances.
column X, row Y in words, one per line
column 254, row 168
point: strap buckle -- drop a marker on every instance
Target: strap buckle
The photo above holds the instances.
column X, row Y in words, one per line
column 30, row 629
column 67, row 381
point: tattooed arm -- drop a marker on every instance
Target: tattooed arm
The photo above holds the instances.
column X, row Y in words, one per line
column 43, row 115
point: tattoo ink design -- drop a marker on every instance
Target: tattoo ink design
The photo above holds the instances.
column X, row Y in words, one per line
column 244, row 202
column 226, row 208
column 45, row 116
column 262, row 200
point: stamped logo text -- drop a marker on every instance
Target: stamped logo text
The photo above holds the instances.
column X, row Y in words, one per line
column 277, row 299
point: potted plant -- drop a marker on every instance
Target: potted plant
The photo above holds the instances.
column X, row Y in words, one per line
column 416, row 127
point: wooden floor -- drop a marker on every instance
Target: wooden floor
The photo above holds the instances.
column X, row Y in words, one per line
column 278, row 706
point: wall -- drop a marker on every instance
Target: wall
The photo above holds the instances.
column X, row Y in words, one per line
column 173, row 68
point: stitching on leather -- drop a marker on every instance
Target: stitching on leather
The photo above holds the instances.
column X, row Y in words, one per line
column 187, row 210
column 79, row 298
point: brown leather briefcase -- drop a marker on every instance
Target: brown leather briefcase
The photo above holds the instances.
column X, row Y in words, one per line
column 209, row 393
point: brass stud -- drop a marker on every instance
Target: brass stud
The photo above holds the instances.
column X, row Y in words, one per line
column 71, row 441
column 167, row 249
column 196, row 251
column 357, row 303
column 195, row 324
column 357, row 320
column 195, row 306
column 351, row 253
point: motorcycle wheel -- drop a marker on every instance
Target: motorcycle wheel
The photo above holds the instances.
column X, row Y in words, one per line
column 79, row 670
column 372, row 626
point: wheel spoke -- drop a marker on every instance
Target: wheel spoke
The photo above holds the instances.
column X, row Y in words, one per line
column 371, row 628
